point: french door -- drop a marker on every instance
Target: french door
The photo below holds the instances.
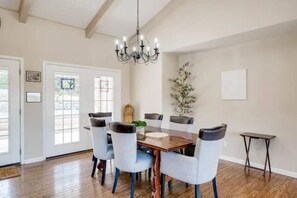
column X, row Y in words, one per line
column 70, row 94
column 9, row 111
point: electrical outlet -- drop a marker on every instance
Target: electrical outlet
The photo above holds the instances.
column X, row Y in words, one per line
column 225, row 144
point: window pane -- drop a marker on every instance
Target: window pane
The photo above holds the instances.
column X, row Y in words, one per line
column 75, row 107
column 97, row 94
column 97, row 106
column 58, row 123
column 75, row 121
column 110, row 94
column 103, row 106
column 3, row 93
column 3, row 109
column 58, row 108
column 67, row 122
column 103, row 95
column 67, row 136
column 110, row 106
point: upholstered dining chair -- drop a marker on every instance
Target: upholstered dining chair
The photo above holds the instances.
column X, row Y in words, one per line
column 101, row 149
column 127, row 158
column 181, row 123
column 153, row 119
column 200, row 168
column 107, row 116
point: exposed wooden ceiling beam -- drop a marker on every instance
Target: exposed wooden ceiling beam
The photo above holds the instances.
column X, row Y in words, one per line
column 24, row 10
column 92, row 27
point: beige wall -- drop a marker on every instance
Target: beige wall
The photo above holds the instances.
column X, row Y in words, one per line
column 271, row 97
column 39, row 40
column 145, row 83
column 201, row 21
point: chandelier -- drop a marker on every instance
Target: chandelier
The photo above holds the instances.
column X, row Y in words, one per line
column 140, row 54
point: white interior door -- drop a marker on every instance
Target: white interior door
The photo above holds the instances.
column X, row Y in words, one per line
column 67, row 108
column 9, row 112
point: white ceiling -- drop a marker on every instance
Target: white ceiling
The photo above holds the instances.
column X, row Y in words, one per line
column 119, row 20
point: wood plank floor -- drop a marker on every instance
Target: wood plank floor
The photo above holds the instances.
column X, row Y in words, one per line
column 69, row 176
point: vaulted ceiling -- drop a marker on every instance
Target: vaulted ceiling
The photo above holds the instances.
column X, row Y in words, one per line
column 111, row 17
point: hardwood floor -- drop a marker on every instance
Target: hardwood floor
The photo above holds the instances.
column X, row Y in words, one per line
column 69, row 176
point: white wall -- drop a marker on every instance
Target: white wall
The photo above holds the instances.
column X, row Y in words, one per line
column 39, row 40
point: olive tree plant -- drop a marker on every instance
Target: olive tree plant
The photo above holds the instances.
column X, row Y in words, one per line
column 182, row 91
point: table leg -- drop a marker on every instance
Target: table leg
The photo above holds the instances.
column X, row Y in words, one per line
column 247, row 150
column 267, row 159
column 100, row 165
column 156, row 173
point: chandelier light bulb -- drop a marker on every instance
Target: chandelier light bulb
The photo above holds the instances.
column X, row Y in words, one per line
column 117, row 42
column 124, row 39
column 141, row 37
column 121, row 46
column 134, row 49
column 156, row 40
column 157, row 45
column 148, row 49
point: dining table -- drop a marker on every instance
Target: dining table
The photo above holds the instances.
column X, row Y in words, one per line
column 162, row 140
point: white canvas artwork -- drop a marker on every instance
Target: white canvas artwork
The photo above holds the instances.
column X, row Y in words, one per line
column 234, row 85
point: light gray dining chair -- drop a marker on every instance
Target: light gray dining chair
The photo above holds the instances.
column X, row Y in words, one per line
column 181, row 123
column 200, row 168
column 127, row 158
column 153, row 119
column 101, row 149
column 107, row 116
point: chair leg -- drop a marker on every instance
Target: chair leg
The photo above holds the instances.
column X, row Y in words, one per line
column 170, row 185
column 150, row 173
column 116, row 177
column 197, row 191
column 215, row 190
column 136, row 176
column 103, row 172
column 132, row 185
column 95, row 160
column 187, row 185
column 162, row 185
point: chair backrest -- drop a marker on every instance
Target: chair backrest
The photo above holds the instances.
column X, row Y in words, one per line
column 107, row 116
column 124, row 142
column 181, row 123
column 207, row 151
column 153, row 119
column 99, row 137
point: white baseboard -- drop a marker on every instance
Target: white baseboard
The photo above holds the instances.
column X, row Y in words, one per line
column 257, row 165
column 33, row 160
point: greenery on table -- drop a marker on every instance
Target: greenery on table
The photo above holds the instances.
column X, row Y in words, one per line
column 139, row 123
column 182, row 91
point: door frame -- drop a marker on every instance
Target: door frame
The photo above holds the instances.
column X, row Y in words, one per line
column 22, row 102
column 117, row 71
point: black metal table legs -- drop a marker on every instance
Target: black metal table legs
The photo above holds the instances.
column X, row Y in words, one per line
column 247, row 145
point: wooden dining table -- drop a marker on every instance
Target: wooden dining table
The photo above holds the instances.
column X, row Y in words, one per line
column 175, row 140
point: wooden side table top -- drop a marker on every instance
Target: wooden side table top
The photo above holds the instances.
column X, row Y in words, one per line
column 258, row 135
